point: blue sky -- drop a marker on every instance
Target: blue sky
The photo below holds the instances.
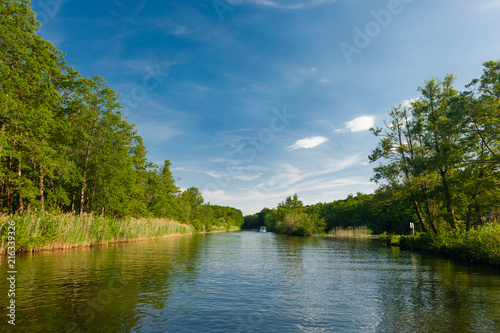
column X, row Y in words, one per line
column 255, row 100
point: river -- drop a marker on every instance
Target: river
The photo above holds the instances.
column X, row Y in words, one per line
column 249, row 282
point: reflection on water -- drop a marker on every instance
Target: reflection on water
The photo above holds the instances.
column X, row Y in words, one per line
column 250, row 282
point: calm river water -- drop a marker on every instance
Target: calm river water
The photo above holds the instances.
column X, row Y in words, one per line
column 249, row 282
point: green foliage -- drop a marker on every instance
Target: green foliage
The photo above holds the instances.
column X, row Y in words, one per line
column 257, row 220
column 480, row 245
column 290, row 218
column 390, row 239
column 441, row 153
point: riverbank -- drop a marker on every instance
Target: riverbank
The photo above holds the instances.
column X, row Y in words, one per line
column 478, row 246
column 44, row 231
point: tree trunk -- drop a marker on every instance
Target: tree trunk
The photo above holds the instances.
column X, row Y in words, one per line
column 419, row 215
column 19, row 174
column 73, row 202
column 10, row 200
column 409, row 177
column 94, row 185
column 473, row 206
column 428, row 210
column 447, row 197
column 85, row 167
column 42, row 190
column 1, row 145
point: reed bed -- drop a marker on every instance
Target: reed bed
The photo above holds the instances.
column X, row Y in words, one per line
column 44, row 231
column 350, row 232
column 223, row 228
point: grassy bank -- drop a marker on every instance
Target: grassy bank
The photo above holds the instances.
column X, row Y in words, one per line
column 481, row 245
column 43, row 231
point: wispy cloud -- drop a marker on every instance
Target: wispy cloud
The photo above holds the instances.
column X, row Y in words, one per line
column 287, row 176
column 214, row 174
column 309, row 142
column 240, row 174
column 324, row 184
column 495, row 4
column 248, row 178
column 179, row 30
column 157, row 132
column 291, row 4
column 358, row 124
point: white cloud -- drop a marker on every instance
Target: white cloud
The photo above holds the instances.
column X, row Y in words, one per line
column 213, row 195
column 360, row 124
column 407, row 103
column 309, row 142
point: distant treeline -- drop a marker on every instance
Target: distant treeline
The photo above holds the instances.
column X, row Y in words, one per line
column 376, row 211
column 437, row 164
column 65, row 145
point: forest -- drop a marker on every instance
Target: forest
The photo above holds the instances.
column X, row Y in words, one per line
column 66, row 146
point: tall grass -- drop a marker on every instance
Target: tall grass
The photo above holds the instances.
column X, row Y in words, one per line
column 480, row 245
column 350, row 232
column 223, row 228
column 43, row 231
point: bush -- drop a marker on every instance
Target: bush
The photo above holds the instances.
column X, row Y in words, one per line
column 480, row 245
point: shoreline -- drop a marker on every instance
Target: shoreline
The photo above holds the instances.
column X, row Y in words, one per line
column 60, row 247
column 42, row 232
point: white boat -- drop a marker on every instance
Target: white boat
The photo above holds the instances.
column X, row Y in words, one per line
column 262, row 229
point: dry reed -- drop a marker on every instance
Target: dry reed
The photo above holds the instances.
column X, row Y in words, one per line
column 350, row 232
column 43, row 231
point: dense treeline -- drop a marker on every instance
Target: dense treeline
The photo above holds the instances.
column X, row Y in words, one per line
column 438, row 161
column 442, row 153
column 379, row 212
column 290, row 217
column 65, row 145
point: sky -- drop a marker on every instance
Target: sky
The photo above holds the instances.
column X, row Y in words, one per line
column 255, row 100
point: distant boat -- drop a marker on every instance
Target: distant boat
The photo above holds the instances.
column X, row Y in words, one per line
column 262, row 229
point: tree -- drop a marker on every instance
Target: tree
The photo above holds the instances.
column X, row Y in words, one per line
column 291, row 203
column 442, row 150
column 291, row 218
column 401, row 146
column 30, row 71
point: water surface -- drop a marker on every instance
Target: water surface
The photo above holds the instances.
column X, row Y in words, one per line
column 250, row 282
